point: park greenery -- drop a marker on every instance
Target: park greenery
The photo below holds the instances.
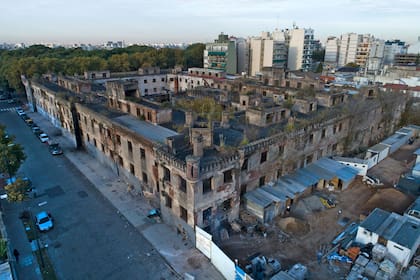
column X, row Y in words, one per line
column 11, row 158
column 38, row 59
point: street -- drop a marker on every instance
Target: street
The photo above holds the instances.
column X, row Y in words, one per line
column 90, row 239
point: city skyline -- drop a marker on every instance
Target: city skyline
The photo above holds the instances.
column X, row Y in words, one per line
column 175, row 21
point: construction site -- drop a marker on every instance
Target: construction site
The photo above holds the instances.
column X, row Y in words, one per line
column 312, row 229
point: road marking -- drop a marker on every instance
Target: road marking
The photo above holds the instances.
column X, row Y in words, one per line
column 42, row 203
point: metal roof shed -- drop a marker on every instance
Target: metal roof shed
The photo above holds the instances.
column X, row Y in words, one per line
column 380, row 149
column 395, row 141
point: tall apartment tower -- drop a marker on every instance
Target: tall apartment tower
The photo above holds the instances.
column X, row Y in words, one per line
column 331, row 51
column 391, row 49
column 300, row 49
column 376, row 55
column 348, row 48
column 363, row 50
column 268, row 50
column 221, row 55
column 242, row 51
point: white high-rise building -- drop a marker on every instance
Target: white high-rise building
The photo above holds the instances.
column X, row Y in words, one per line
column 376, row 55
column 300, row 49
column 268, row 50
column 391, row 49
column 348, row 48
column 331, row 51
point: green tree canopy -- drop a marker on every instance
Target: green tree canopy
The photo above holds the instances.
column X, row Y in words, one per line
column 17, row 191
column 38, row 59
column 11, row 154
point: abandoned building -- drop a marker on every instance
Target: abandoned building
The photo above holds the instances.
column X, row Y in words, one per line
column 199, row 167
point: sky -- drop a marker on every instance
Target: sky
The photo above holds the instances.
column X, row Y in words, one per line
column 175, row 21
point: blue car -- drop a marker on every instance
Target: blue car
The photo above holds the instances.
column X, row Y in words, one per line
column 44, row 221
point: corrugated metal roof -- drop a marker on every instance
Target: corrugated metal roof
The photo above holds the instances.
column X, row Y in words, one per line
column 375, row 219
column 404, row 130
column 408, row 234
column 346, row 173
column 277, row 192
column 378, row 148
column 258, row 198
column 155, row 133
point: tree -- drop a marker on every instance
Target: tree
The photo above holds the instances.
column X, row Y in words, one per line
column 11, row 154
column 352, row 64
column 319, row 68
column 17, row 191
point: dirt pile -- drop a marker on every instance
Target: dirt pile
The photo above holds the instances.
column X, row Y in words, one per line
column 293, row 226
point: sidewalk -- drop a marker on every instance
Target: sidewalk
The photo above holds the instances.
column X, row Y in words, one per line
column 181, row 255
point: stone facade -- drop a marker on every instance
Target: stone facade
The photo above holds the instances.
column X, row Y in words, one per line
column 197, row 177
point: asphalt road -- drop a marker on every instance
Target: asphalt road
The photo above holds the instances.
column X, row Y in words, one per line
column 90, row 240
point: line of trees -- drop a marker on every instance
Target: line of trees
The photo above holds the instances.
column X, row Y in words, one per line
column 38, row 59
column 11, row 158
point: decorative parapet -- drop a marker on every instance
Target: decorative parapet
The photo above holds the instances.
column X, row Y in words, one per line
column 162, row 153
column 219, row 164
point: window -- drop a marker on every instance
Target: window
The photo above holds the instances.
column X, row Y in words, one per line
column 146, row 90
column 154, row 80
column 340, row 126
column 144, row 177
column 227, row 204
column 263, row 157
column 130, row 148
column 281, row 150
column 88, row 138
column 311, row 138
column 262, row 181
column 128, row 108
column 227, row 176
column 206, row 185
column 183, row 213
column 132, row 169
column 94, row 142
column 207, row 216
column 142, row 154
column 118, row 139
column 120, row 161
column 182, row 184
column 335, row 129
column 245, row 164
column 168, row 201
column 103, row 148
column 149, row 116
column 323, row 134
column 287, row 83
column 166, row 174
column 145, row 81
column 163, row 79
column 138, row 112
column 103, row 75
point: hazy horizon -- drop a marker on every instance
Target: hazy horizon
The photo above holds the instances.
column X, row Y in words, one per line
column 189, row 21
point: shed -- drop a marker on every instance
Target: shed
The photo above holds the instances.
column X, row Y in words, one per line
column 380, row 151
column 396, row 141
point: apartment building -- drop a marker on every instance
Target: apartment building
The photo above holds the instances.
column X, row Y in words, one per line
column 267, row 51
column 221, row 55
column 300, row 49
column 331, row 52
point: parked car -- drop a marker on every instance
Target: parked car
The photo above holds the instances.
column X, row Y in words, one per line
column 37, row 133
column 328, row 203
column 370, row 180
column 44, row 221
column 55, row 149
column 29, row 121
column 43, row 137
column 20, row 111
column 35, row 128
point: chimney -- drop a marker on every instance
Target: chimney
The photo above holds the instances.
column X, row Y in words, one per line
column 225, row 120
column 189, row 119
column 198, row 146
